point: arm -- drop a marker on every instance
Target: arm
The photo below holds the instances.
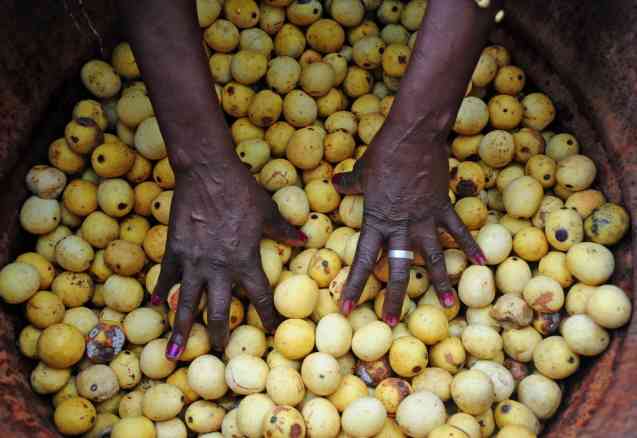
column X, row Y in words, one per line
column 449, row 43
column 404, row 174
column 218, row 211
column 167, row 42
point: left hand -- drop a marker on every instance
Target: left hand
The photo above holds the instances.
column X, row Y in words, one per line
column 218, row 216
column 404, row 176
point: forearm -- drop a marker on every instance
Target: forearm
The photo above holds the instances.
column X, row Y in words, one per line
column 166, row 39
column 447, row 49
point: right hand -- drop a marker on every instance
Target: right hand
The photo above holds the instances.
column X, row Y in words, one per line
column 216, row 223
column 404, row 176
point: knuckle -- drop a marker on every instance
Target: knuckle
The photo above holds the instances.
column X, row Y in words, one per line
column 365, row 255
column 219, row 305
column 463, row 234
column 435, row 258
column 354, row 283
column 244, row 264
column 470, row 243
column 176, row 247
column 262, row 299
column 467, row 243
column 352, row 290
column 392, row 303
column 395, row 289
column 394, row 298
column 392, row 216
column 400, row 229
column 244, row 259
column 442, row 283
column 186, row 254
column 186, row 305
column 214, row 265
column 400, row 275
column 375, row 217
column 195, row 254
column 187, row 301
column 217, row 321
column 185, row 251
column 456, row 226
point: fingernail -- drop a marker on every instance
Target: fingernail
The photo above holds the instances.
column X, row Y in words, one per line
column 174, row 351
column 220, row 344
column 348, row 306
column 391, row 320
column 479, row 259
column 337, row 179
column 155, row 300
column 270, row 327
column 302, row 236
column 447, row 299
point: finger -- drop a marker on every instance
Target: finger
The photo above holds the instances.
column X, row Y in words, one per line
column 219, row 297
column 464, row 237
column 260, row 293
column 189, row 297
column 436, row 264
column 348, row 183
column 168, row 277
column 277, row 228
column 398, row 278
column 364, row 261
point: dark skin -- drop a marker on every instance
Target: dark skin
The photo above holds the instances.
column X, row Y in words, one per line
column 219, row 212
column 404, row 174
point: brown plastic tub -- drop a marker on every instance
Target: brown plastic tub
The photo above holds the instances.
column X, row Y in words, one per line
column 583, row 53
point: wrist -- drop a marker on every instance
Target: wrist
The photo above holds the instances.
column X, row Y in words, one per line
column 221, row 176
column 202, row 143
column 428, row 125
column 215, row 160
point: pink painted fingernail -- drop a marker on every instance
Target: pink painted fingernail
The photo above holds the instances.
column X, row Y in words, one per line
column 391, row 320
column 479, row 259
column 155, row 300
column 174, row 351
column 347, row 306
column 448, row 299
column 339, row 179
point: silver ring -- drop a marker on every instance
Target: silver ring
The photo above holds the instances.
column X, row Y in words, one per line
column 400, row 254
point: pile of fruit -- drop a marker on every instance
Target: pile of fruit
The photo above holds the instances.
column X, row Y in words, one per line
column 327, row 72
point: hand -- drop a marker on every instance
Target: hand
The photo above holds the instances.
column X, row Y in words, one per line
column 404, row 176
column 217, row 219
column 218, row 211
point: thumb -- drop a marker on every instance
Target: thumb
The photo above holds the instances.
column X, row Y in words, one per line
column 348, row 183
column 277, row 228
